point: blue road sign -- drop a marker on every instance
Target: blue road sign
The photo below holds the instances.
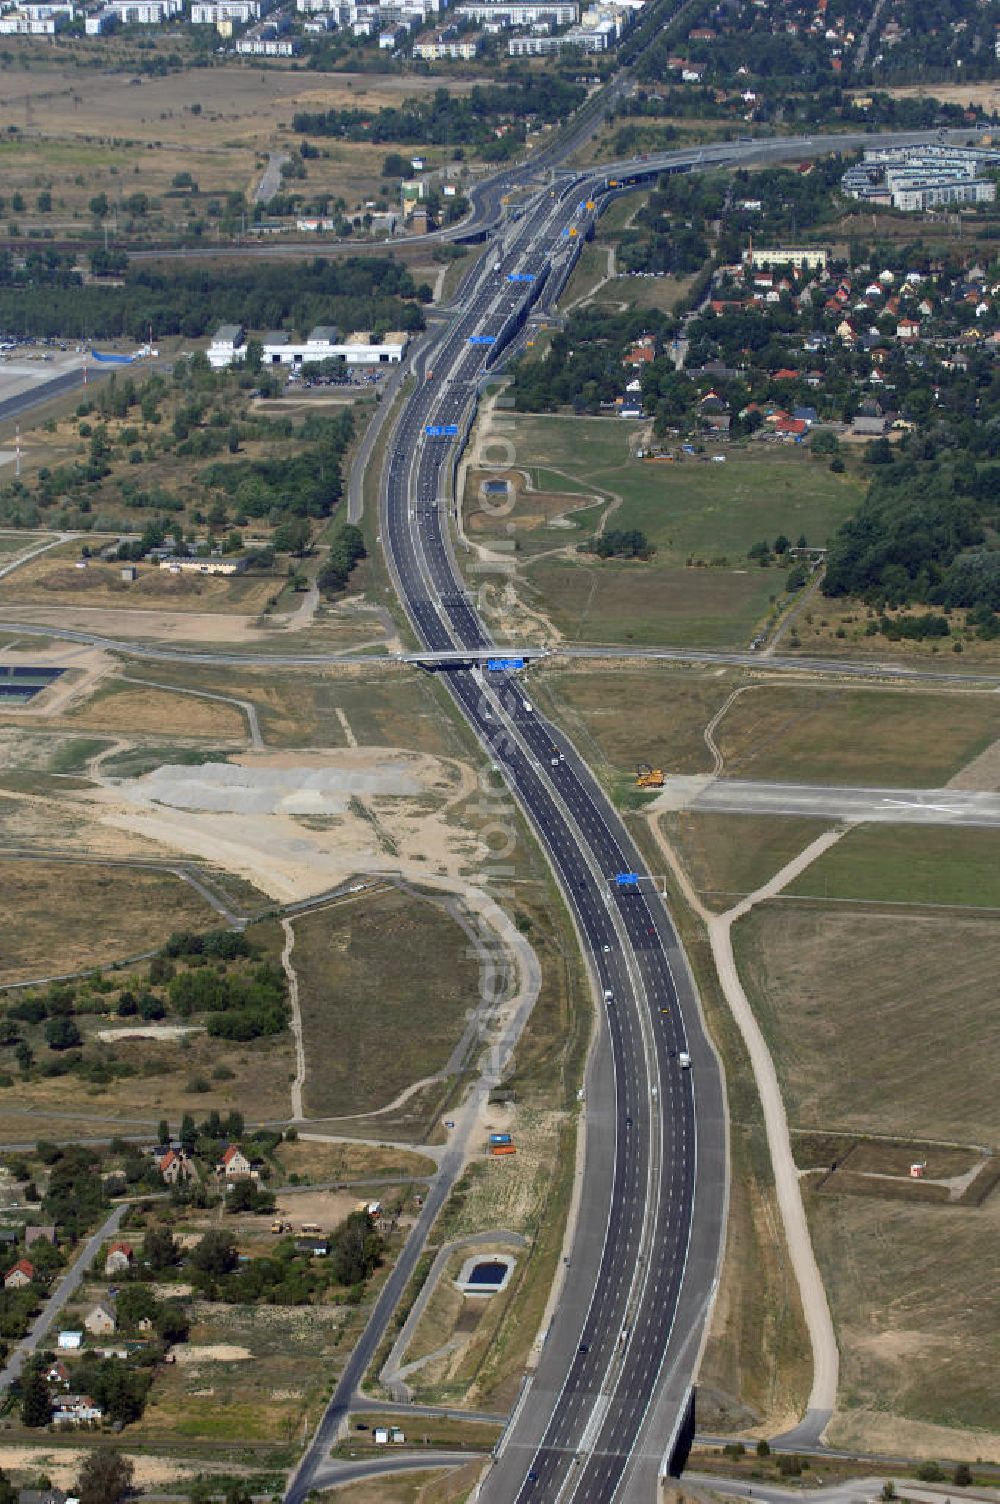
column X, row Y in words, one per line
column 520, row 276
column 627, row 879
column 482, row 339
column 440, row 430
column 504, row 665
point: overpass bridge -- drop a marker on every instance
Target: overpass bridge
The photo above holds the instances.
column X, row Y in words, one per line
column 506, row 660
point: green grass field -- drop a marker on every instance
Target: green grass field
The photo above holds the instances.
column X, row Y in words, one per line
column 909, row 864
column 696, row 514
column 643, row 713
column 693, row 508
column 649, row 603
column 727, row 856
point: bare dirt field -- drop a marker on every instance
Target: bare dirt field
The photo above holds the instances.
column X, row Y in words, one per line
column 984, row 94
column 62, row 1464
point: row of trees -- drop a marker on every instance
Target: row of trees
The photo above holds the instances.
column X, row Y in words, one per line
column 447, row 119
column 372, row 293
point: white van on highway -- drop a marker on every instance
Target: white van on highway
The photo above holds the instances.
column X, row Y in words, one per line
column 684, row 1060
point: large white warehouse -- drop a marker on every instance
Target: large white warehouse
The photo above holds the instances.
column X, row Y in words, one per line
column 228, row 347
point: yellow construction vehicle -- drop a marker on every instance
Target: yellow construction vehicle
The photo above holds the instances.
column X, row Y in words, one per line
column 647, row 777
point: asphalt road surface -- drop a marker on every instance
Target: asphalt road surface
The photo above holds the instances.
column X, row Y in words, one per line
column 619, row 1355
column 827, row 667
column 44, row 391
column 487, row 210
column 734, row 796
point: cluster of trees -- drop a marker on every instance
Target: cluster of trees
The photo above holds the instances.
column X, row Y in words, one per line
column 914, row 628
column 918, row 537
column 206, row 419
column 224, row 978
column 346, row 550
column 119, row 1388
column 583, row 367
column 658, row 244
column 239, row 1005
column 950, row 43
column 304, row 482
column 622, row 543
column 76, row 1194
column 373, row 293
column 286, row 1276
column 447, row 119
column 39, row 266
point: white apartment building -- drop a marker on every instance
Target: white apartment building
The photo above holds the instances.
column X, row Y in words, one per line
column 269, row 46
column 22, row 23
column 453, row 49
column 520, row 12
column 242, row 12
column 132, row 13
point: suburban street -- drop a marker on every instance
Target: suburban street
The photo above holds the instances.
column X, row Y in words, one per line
column 62, row 1293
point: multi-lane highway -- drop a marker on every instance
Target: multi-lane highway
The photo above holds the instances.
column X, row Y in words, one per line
column 628, row 1325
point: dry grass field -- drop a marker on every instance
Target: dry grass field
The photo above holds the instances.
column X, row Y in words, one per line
column 319, row 1162
column 270, row 1393
column 888, row 1025
column 83, row 131
column 297, row 708
column 884, row 1024
column 374, row 1026
column 131, row 709
column 57, row 582
column 633, row 714
column 64, row 917
column 821, row 734
column 915, row 1304
column 171, row 1077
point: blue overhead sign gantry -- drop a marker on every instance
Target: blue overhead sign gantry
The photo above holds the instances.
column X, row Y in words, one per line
column 504, row 665
column 440, row 430
column 482, row 339
column 520, row 276
column 626, row 879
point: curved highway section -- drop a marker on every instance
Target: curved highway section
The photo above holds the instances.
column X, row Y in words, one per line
column 626, row 1336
